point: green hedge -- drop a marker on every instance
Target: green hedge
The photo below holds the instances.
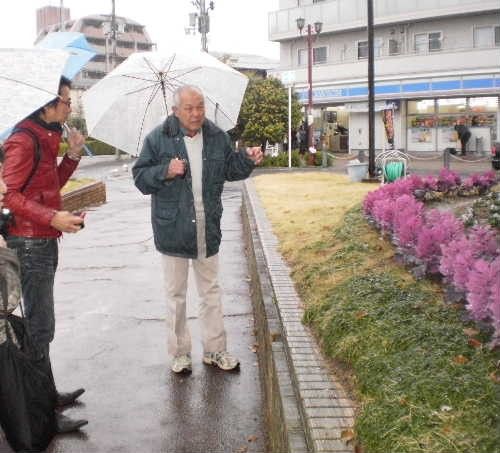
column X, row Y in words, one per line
column 298, row 160
column 97, row 148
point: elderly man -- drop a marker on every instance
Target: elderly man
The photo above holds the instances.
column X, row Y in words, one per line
column 183, row 164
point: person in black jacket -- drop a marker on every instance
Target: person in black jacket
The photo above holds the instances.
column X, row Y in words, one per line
column 463, row 135
column 183, row 166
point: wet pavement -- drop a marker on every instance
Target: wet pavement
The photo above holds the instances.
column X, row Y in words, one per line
column 111, row 339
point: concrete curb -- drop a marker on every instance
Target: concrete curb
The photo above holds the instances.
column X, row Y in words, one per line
column 295, row 375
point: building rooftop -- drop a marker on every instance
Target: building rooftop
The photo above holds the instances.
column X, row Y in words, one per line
column 246, row 61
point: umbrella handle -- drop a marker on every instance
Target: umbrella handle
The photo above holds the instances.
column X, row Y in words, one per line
column 87, row 151
column 85, row 147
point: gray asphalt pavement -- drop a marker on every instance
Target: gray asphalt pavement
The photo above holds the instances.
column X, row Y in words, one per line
column 111, row 339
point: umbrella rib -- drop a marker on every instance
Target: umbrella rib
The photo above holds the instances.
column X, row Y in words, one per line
column 153, row 84
column 169, row 63
column 28, row 85
column 183, row 74
column 150, row 101
column 153, row 69
column 138, row 78
column 218, row 107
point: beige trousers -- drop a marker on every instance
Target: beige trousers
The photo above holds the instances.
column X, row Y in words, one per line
column 210, row 316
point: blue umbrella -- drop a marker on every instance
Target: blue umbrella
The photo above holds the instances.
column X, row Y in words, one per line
column 81, row 52
column 76, row 44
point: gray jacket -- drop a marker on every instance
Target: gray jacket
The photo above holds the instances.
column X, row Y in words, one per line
column 172, row 202
column 9, row 273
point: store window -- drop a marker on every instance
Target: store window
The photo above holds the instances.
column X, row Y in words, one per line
column 454, row 105
column 423, row 106
column 483, row 113
column 486, row 104
column 428, row 42
column 431, row 123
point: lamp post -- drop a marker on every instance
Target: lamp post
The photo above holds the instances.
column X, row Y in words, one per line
column 301, row 22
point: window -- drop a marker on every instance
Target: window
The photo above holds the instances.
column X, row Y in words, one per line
column 319, row 55
column 452, row 105
column 435, row 41
column 487, row 36
column 394, row 47
column 428, row 42
column 302, row 57
column 424, row 106
column 363, row 48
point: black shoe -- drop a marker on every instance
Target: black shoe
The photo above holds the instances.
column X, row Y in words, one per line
column 68, row 425
column 63, row 399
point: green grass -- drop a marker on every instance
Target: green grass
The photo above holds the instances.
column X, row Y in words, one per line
column 421, row 386
column 422, row 377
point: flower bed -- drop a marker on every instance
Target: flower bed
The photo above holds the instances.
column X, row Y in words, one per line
column 437, row 243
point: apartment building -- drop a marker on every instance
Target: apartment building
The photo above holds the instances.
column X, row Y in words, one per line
column 131, row 37
column 436, row 62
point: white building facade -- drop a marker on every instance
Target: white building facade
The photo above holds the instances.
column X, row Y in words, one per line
column 436, row 62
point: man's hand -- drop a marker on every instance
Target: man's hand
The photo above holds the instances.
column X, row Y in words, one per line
column 66, row 222
column 2, row 242
column 255, row 153
column 75, row 141
column 177, row 167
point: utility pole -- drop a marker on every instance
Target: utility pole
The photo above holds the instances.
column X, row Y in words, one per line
column 371, row 94
column 61, row 6
column 203, row 21
column 113, row 35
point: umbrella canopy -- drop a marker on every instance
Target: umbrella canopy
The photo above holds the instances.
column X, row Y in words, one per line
column 29, row 78
column 81, row 52
column 123, row 107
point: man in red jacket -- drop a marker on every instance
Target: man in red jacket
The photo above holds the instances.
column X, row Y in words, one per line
column 34, row 180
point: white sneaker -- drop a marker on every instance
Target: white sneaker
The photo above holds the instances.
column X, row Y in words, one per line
column 182, row 364
column 223, row 360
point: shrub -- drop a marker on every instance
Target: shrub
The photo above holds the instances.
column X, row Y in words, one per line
column 281, row 160
column 439, row 229
column 97, row 148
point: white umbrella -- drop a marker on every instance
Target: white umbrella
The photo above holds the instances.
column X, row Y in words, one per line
column 29, row 78
column 123, row 107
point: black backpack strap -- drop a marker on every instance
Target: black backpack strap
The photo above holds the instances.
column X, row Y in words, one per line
column 37, row 156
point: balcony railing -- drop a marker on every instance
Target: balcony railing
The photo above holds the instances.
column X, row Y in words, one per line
column 338, row 15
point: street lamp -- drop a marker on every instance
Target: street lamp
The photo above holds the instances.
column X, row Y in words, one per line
column 301, row 22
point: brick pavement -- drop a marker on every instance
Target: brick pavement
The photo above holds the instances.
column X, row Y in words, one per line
column 325, row 407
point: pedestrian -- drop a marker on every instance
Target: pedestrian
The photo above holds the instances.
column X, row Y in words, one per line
column 48, row 420
column 34, row 180
column 183, row 165
column 302, row 138
column 464, row 135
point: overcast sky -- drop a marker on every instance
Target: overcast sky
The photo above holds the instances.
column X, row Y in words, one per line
column 235, row 25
